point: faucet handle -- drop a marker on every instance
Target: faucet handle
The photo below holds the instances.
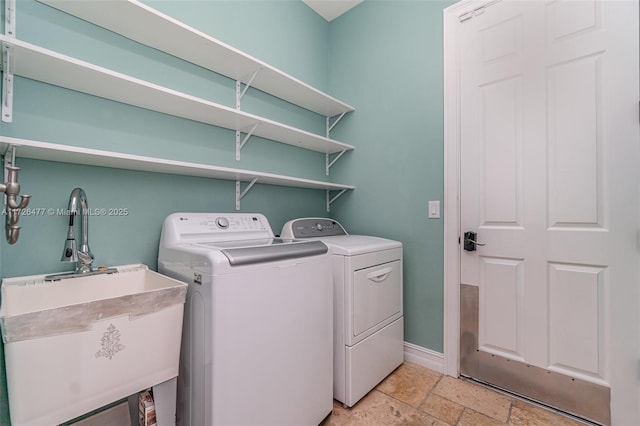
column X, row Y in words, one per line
column 85, row 261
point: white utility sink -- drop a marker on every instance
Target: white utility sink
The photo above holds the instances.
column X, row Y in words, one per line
column 77, row 344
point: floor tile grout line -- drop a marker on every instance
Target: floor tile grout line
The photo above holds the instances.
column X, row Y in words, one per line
column 510, row 397
column 431, row 392
column 510, row 408
column 460, row 416
column 418, row 410
column 395, row 399
column 464, row 407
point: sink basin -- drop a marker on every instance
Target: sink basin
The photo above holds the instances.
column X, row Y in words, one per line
column 77, row 344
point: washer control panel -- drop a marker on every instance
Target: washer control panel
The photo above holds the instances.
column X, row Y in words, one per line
column 224, row 222
column 312, row 227
column 210, row 227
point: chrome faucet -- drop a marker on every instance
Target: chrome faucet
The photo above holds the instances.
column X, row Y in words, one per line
column 71, row 253
column 83, row 257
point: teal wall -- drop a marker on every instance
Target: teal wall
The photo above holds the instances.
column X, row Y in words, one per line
column 386, row 59
column 51, row 114
column 383, row 57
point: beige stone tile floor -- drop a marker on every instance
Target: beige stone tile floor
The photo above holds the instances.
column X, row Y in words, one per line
column 416, row 396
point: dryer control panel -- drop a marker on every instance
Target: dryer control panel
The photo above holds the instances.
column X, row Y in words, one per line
column 312, row 227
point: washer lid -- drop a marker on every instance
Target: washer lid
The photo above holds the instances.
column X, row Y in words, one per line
column 350, row 245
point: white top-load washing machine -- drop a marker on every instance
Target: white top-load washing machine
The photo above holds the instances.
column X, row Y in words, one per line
column 257, row 345
column 368, row 315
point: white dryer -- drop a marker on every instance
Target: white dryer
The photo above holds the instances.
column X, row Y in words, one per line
column 368, row 313
column 257, row 345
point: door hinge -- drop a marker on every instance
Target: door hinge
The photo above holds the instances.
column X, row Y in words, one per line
column 475, row 12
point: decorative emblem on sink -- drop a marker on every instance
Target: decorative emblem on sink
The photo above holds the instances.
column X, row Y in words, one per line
column 110, row 343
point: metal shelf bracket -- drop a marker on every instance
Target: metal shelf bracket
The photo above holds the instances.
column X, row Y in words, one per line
column 239, row 95
column 240, row 142
column 240, row 194
column 240, row 91
column 329, row 162
column 9, row 159
column 331, row 125
column 330, row 199
column 10, row 17
column 7, row 83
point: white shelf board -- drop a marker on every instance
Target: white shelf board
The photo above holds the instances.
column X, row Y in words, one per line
column 54, row 68
column 39, row 150
column 150, row 27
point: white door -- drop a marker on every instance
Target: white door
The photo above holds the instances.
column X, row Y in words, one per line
column 549, row 141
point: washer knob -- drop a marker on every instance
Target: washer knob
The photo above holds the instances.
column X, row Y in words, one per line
column 222, row 222
column 319, row 226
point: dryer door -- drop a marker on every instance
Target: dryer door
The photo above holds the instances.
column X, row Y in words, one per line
column 377, row 297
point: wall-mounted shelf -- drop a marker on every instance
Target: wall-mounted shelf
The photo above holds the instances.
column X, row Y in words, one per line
column 150, row 27
column 92, row 157
column 26, row 60
column 145, row 25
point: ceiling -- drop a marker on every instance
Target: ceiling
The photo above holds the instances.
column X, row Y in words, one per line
column 331, row 9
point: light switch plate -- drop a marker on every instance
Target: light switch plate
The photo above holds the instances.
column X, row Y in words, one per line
column 434, row 209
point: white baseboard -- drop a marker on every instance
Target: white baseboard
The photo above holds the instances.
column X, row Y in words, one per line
column 424, row 357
